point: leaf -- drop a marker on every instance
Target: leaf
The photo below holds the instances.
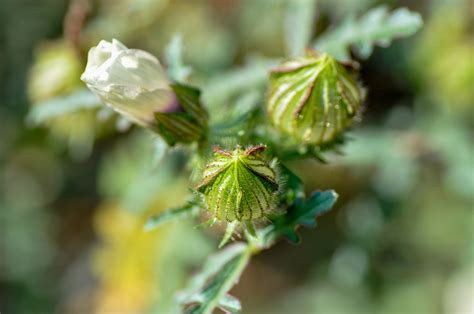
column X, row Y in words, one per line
column 81, row 99
column 237, row 124
column 299, row 21
column 302, row 212
column 293, row 188
column 160, row 149
column 173, row 57
column 229, row 232
column 187, row 125
column 376, row 27
column 209, row 288
column 230, row 303
column 226, row 85
column 223, row 282
column 189, row 209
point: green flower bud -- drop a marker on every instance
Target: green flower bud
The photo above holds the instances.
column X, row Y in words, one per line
column 313, row 99
column 133, row 83
column 239, row 185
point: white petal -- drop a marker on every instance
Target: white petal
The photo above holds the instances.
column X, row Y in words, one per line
column 131, row 81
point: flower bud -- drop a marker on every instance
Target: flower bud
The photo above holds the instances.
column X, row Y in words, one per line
column 239, row 185
column 133, row 83
column 313, row 99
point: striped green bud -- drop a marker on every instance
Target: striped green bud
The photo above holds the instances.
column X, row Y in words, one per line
column 239, row 185
column 313, row 99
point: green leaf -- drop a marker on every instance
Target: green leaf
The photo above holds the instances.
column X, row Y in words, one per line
column 226, row 85
column 230, row 303
column 81, row 99
column 229, row 232
column 302, row 212
column 376, row 27
column 187, row 125
column 208, row 289
column 187, row 210
column 177, row 71
column 223, row 282
column 299, row 21
column 293, row 188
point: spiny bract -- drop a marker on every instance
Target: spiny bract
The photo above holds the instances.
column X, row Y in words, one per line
column 239, row 185
column 313, row 98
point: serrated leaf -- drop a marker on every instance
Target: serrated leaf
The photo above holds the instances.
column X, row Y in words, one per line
column 317, row 204
column 81, row 99
column 299, row 20
column 376, row 27
column 302, row 212
column 209, row 288
column 187, row 210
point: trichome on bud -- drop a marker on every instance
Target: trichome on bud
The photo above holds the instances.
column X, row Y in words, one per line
column 313, row 99
column 239, row 185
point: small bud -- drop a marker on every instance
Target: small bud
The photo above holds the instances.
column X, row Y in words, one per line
column 313, row 99
column 239, row 185
column 133, row 83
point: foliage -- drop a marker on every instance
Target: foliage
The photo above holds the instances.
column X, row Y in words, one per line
column 376, row 27
column 189, row 209
column 301, row 213
column 299, row 25
column 81, row 99
column 177, row 71
column 235, row 101
column 209, row 289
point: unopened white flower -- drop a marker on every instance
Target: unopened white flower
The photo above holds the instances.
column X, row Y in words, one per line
column 130, row 81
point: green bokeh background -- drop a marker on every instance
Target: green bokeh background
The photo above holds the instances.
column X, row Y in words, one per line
column 74, row 192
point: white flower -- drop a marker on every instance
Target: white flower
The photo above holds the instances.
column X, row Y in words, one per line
column 130, row 81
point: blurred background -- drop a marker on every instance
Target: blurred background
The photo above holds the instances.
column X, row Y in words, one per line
column 77, row 182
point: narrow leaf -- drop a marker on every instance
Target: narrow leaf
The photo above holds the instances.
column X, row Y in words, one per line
column 229, row 231
column 299, row 21
column 221, row 284
column 189, row 209
column 230, row 304
column 174, row 60
column 81, row 99
column 212, row 266
column 208, row 289
column 376, row 27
